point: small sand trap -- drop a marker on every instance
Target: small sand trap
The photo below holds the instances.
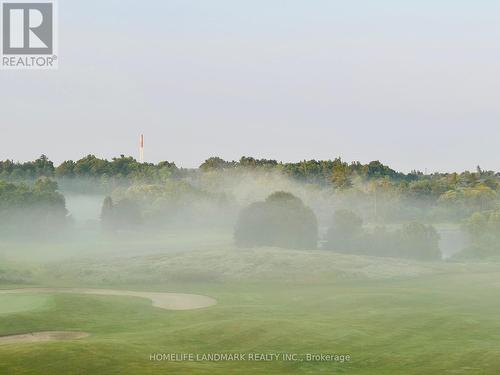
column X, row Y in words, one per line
column 42, row 337
column 168, row 301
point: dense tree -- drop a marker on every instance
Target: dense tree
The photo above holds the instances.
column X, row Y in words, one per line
column 27, row 171
column 419, row 241
column 341, row 175
column 345, row 231
column 215, row 163
column 249, row 162
column 122, row 215
column 66, row 169
column 33, row 209
column 465, row 201
column 483, row 230
column 376, row 169
column 282, row 220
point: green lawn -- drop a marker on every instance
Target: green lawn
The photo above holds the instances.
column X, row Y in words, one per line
column 423, row 326
column 390, row 316
column 14, row 304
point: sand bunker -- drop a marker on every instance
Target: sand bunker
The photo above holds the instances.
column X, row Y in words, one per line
column 168, row 301
column 42, row 337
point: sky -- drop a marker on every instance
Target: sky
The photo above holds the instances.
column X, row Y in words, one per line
column 415, row 85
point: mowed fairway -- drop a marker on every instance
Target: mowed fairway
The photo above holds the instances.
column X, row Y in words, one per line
column 18, row 303
column 434, row 324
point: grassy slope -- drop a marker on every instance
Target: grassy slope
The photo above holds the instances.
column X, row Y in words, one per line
column 442, row 319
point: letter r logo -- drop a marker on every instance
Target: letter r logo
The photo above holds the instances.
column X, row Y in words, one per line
column 27, row 28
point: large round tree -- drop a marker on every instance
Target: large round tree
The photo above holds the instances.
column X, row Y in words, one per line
column 282, row 220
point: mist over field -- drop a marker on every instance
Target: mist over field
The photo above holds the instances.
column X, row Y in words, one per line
column 124, row 196
column 233, row 247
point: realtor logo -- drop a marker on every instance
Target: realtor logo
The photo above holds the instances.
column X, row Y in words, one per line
column 28, row 35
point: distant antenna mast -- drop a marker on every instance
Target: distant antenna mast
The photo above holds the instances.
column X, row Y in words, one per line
column 141, row 149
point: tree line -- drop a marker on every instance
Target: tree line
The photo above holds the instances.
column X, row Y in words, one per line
column 163, row 192
column 336, row 173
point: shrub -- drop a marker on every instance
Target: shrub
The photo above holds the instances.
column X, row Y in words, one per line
column 418, row 241
column 413, row 240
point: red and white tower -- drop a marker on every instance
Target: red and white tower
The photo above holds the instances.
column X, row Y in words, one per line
column 141, row 149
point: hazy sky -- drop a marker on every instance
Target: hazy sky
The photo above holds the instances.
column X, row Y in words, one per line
column 414, row 84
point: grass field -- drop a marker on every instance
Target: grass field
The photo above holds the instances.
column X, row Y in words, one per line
column 390, row 316
column 10, row 304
